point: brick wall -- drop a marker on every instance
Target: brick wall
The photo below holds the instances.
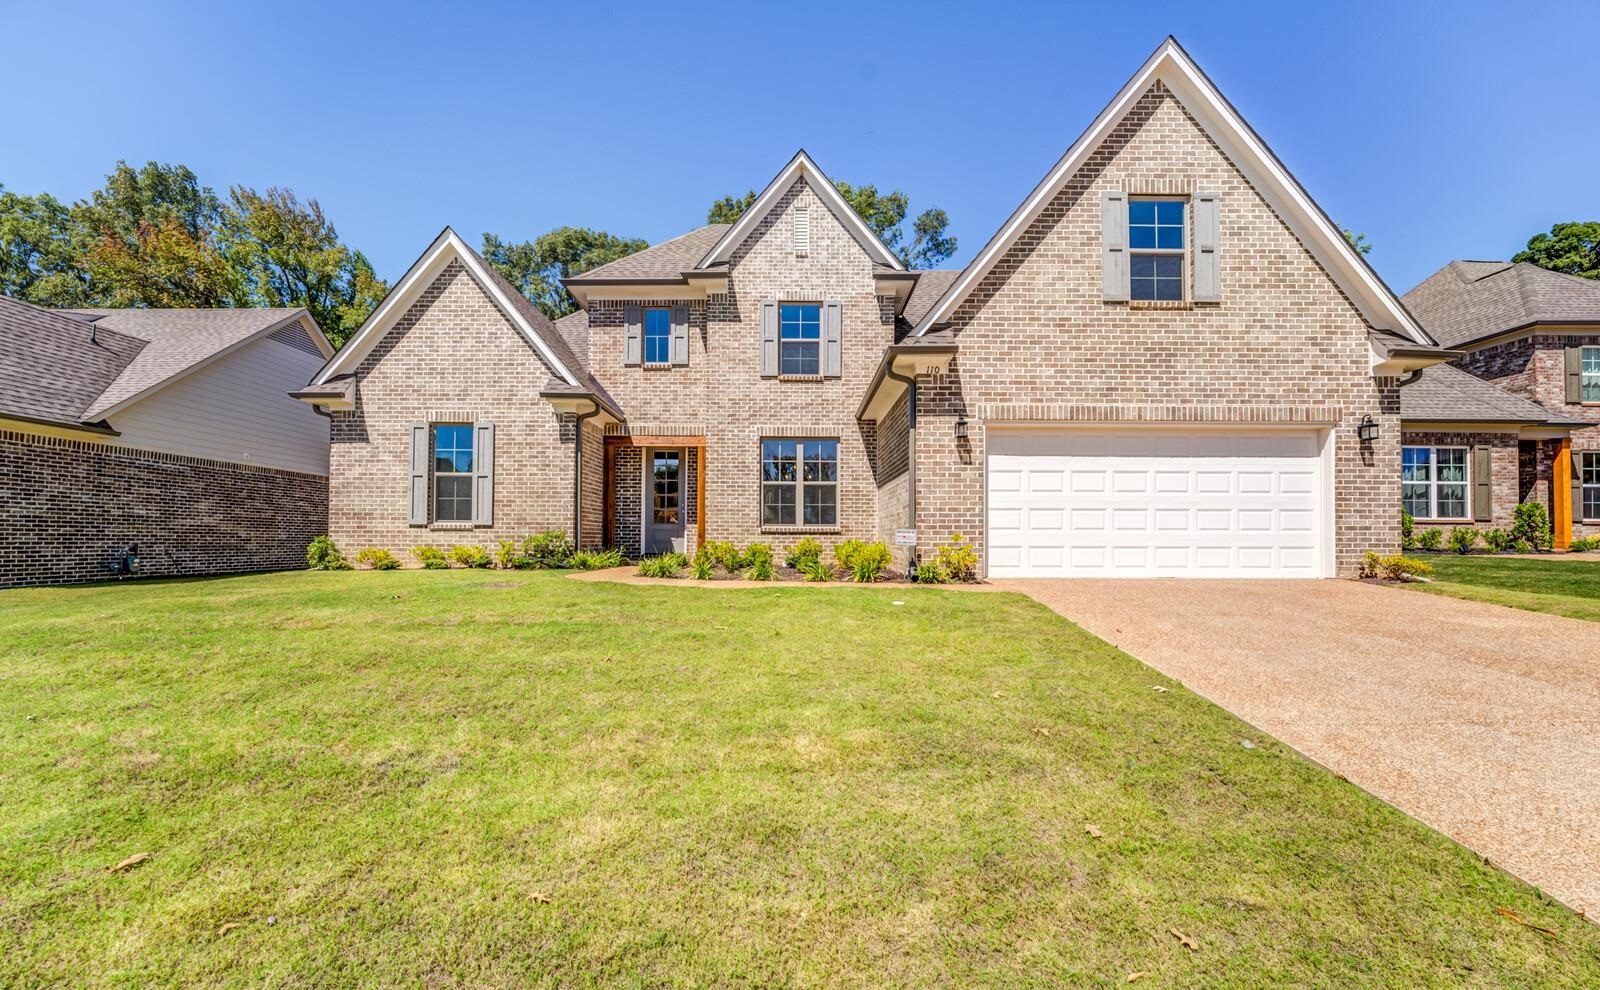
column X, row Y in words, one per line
column 1505, row 473
column 1284, row 344
column 890, row 463
column 69, row 510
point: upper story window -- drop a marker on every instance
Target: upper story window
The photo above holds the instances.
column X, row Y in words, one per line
column 657, row 335
column 1155, row 249
column 1433, row 482
column 452, row 472
column 800, row 339
column 1589, row 374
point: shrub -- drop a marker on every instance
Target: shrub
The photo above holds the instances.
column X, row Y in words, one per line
column 1371, row 565
column 666, row 565
column 758, row 557
column 549, row 549
column 1431, row 538
column 1521, row 546
column 817, row 569
column 378, row 560
column 1531, row 524
column 702, row 566
column 725, row 554
column 471, row 556
column 845, row 553
column 322, row 555
column 432, row 558
column 1393, row 567
column 1408, row 531
column 868, row 561
column 595, row 560
column 1463, row 539
column 931, row 572
column 1584, row 544
column 957, row 559
column 1496, row 540
column 505, row 554
column 802, row 553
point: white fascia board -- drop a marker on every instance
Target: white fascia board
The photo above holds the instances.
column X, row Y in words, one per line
column 1377, row 304
column 800, row 165
column 447, row 246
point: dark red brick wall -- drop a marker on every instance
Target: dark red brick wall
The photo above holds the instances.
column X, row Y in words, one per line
column 69, row 509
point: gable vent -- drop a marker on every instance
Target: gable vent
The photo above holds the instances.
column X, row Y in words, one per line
column 296, row 336
column 802, row 232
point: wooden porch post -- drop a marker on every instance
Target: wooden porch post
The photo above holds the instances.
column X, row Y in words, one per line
column 700, row 499
column 1561, row 494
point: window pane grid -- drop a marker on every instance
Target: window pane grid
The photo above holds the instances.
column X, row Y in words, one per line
column 1589, row 374
column 1590, row 468
column 1156, row 243
column 799, row 482
column 1434, row 482
column 657, row 336
column 800, row 339
column 452, row 473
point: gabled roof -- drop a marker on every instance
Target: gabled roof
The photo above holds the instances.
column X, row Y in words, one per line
column 665, row 261
column 53, row 366
column 1467, row 301
column 1173, row 67
column 800, row 167
column 1444, row 393
column 931, row 284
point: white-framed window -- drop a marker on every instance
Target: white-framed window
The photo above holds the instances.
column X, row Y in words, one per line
column 1156, row 239
column 799, row 482
column 1434, row 483
column 1589, row 374
column 452, row 472
column 800, row 339
column 1589, row 476
column 657, row 335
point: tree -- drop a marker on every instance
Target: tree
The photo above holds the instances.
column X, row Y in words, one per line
column 38, row 261
column 287, row 253
column 885, row 213
column 537, row 267
column 1573, row 248
column 1357, row 241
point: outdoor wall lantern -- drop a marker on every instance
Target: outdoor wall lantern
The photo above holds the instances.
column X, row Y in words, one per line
column 961, row 427
column 1367, row 431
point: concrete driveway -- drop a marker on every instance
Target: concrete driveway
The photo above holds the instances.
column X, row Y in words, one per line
column 1480, row 720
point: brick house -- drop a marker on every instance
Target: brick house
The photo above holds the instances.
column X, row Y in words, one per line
column 169, row 431
column 1516, row 417
column 1168, row 361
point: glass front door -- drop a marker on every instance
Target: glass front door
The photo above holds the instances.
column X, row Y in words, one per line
column 664, row 502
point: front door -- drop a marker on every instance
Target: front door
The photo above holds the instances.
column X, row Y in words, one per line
column 663, row 510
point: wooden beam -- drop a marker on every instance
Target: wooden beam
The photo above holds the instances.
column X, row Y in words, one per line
column 700, row 497
column 1561, row 494
column 655, row 441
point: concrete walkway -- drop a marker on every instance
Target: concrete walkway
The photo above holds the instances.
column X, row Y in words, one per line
column 1480, row 720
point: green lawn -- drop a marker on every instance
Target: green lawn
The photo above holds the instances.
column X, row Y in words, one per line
column 503, row 780
column 1564, row 587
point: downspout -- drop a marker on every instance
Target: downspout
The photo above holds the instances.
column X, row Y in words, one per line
column 577, row 474
column 911, row 449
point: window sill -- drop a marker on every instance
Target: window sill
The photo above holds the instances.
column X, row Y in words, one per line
column 447, row 526
column 1175, row 304
column 802, row 378
column 799, row 530
column 658, row 366
column 1417, row 520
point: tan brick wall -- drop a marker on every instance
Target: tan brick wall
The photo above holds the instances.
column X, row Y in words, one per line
column 1283, row 343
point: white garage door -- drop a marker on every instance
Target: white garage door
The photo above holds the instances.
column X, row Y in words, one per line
column 1152, row 503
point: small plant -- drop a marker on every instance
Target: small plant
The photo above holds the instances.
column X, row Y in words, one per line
column 1431, row 538
column 1408, row 531
column 1496, row 540
column 932, row 572
column 868, row 561
column 725, row 554
column 1521, row 546
column 758, row 556
column 596, row 560
column 802, row 553
column 471, row 557
column 816, row 569
column 957, row 559
column 505, row 554
column 845, row 554
column 549, row 549
column 1463, row 539
column 377, row 559
column 666, row 565
column 1531, row 524
column 1371, row 565
column 1393, row 567
column 1584, row 544
column 702, row 566
column 322, row 555
column 432, row 558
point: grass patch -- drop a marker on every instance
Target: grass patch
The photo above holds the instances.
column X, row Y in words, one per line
column 508, row 780
column 1561, row 587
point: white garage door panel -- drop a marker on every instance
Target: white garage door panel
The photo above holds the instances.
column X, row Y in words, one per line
column 1135, row 503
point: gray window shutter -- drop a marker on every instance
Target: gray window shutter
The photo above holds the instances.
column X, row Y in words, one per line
column 1207, row 235
column 482, row 474
column 419, row 474
column 832, row 339
column 633, row 335
column 1574, row 374
column 1114, row 244
column 769, row 338
column 1482, row 485
column 680, row 335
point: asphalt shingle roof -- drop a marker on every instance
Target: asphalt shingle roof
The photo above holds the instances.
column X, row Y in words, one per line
column 1468, row 300
column 1445, row 393
column 931, row 284
column 669, row 259
column 53, row 366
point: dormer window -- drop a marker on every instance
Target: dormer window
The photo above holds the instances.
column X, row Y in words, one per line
column 1155, row 250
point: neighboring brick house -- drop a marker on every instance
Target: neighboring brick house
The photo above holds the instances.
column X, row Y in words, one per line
column 1167, row 362
column 169, row 431
column 1520, row 421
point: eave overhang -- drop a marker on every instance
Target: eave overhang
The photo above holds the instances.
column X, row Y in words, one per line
column 1391, row 359
column 695, row 284
column 909, row 360
column 579, row 403
column 899, row 285
column 336, row 394
column 56, row 427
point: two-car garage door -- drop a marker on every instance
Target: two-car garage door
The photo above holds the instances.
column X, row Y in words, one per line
column 1157, row 503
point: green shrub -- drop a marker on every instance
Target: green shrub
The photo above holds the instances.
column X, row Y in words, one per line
column 596, row 560
column 1496, row 540
column 505, row 554
column 758, row 558
column 957, row 559
column 1431, row 538
column 666, row 565
column 1584, row 544
column 378, row 560
column 932, row 572
column 471, row 557
column 702, row 566
column 1531, row 524
column 546, row 550
column 1521, row 546
column 322, row 555
column 802, row 553
column 1393, row 567
column 817, row 570
column 1463, row 539
column 725, row 554
column 1408, row 531
column 868, row 561
column 845, row 554
column 432, row 558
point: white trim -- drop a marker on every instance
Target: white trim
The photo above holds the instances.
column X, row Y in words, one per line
column 1433, row 482
column 1173, row 67
column 800, row 165
column 416, row 280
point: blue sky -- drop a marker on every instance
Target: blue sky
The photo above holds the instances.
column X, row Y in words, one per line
column 1441, row 131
